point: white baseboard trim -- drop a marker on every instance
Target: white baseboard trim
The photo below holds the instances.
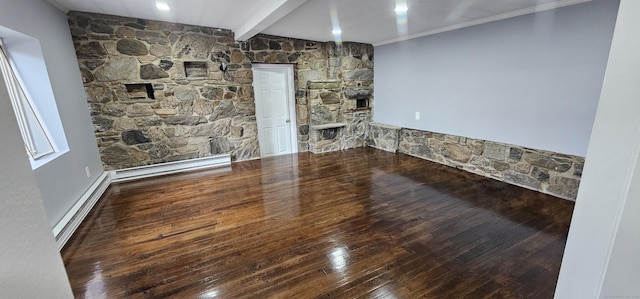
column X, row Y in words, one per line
column 128, row 174
column 65, row 228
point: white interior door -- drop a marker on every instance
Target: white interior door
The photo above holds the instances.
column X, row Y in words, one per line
column 275, row 113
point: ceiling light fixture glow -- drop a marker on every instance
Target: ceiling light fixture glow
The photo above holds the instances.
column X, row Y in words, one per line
column 401, row 17
column 162, row 6
column 335, row 25
column 401, row 8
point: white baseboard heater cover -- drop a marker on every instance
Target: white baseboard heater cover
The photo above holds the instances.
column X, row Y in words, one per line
column 65, row 228
column 134, row 173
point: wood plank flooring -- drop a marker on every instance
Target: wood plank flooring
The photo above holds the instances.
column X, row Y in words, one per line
column 360, row 223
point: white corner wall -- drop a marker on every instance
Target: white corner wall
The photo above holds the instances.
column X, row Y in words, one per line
column 532, row 80
column 30, row 265
column 602, row 255
column 63, row 180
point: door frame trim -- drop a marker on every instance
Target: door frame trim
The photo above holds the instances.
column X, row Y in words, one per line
column 291, row 100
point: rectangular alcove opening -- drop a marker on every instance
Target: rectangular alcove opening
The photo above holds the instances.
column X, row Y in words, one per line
column 362, row 103
column 329, row 134
column 140, row 91
column 195, row 69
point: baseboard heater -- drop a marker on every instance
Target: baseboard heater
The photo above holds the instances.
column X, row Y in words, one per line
column 134, row 173
column 65, row 228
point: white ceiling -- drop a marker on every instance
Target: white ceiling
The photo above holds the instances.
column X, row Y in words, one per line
column 367, row 21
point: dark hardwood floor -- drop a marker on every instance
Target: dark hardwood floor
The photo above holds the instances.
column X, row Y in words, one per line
column 359, row 223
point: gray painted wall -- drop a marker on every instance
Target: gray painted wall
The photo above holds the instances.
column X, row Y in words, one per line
column 532, row 81
column 63, row 180
column 30, row 265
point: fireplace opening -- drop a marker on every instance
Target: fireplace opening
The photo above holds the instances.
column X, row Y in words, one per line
column 329, row 133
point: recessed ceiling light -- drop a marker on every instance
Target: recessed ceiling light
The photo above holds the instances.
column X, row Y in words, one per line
column 400, row 8
column 162, row 6
column 336, row 31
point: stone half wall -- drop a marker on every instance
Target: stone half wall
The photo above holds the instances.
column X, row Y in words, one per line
column 544, row 171
column 162, row 92
column 384, row 137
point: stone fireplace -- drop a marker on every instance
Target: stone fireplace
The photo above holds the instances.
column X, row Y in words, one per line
column 340, row 109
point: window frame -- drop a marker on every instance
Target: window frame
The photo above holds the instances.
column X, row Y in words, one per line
column 20, row 98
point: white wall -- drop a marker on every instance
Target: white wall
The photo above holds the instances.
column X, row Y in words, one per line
column 622, row 277
column 532, row 80
column 602, row 256
column 30, row 265
column 63, row 180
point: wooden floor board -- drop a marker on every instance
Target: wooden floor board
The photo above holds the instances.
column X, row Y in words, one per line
column 360, row 223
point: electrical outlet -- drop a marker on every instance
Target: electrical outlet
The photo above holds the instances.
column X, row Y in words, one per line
column 417, row 115
column 86, row 170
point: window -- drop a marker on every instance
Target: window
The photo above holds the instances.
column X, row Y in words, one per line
column 37, row 142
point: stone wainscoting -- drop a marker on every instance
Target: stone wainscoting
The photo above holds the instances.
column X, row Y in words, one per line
column 162, row 92
column 384, row 137
column 548, row 172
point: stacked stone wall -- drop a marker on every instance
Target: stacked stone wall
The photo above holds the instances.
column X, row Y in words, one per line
column 161, row 92
column 352, row 66
column 332, row 111
column 383, row 137
column 544, row 171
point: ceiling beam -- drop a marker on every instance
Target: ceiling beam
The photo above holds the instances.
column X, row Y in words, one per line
column 265, row 13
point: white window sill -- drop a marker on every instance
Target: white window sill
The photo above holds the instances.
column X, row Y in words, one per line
column 35, row 164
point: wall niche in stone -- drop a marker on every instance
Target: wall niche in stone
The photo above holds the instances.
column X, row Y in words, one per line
column 362, row 104
column 196, row 69
column 140, row 91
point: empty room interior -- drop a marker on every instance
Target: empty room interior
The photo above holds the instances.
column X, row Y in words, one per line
column 307, row 148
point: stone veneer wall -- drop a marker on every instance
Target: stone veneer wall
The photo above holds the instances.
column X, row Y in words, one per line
column 196, row 109
column 336, row 121
column 384, row 137
column 544, row 171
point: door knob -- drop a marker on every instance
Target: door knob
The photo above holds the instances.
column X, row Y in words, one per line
column 288, row 120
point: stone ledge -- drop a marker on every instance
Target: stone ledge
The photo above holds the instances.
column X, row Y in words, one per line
column 328, row 126
column 390, row 127
column 327, row 84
